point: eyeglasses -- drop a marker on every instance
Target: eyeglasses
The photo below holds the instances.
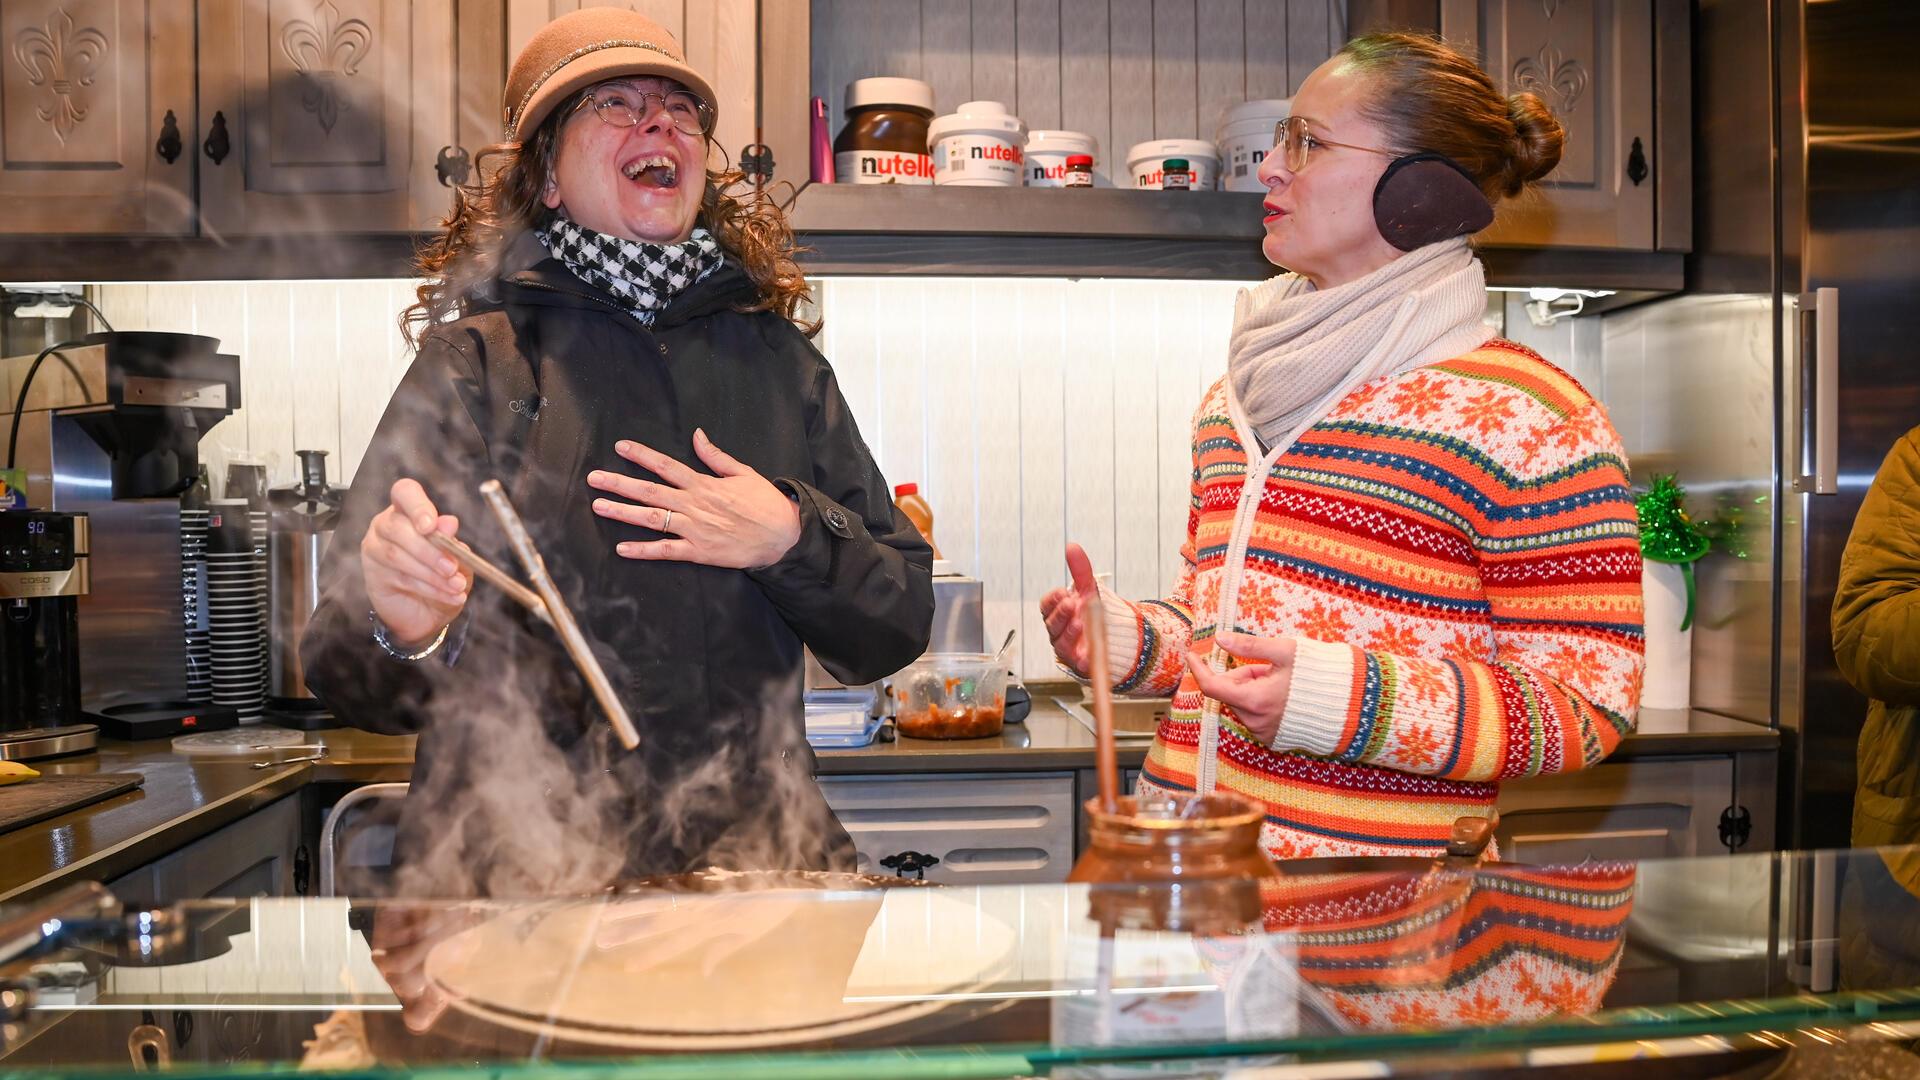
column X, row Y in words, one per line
column 1292, row 136
column 623, row 107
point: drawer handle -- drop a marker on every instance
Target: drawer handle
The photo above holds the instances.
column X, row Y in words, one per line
column 910, row 862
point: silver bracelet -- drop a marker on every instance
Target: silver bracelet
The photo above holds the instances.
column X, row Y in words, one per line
column 382, row 638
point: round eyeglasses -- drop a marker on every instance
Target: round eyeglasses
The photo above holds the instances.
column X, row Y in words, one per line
column 624, row 107
column 1292, row 137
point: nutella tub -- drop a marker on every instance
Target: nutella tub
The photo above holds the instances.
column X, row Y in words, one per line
column 1246, row 138
column 1203, row 162
column 1048, row 151
column 981, row 145
column 885, row 140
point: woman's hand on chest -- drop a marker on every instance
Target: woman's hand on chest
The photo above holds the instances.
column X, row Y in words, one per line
column 735, row 518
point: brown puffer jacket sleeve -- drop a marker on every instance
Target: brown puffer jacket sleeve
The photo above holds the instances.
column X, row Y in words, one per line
column 1876, row 609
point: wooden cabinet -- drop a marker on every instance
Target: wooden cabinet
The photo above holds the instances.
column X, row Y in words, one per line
column 239, row 117
column 96, row 117
column 1617, row 73
column 985, row 829
column 342, row 115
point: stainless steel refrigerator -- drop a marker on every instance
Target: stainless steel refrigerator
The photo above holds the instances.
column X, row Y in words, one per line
column 1807, row 248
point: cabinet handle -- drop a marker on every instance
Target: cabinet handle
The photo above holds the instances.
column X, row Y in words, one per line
column 453, row 166
column 218, row 143
column 1637, row 170
column 169, row 145
column 910, row 862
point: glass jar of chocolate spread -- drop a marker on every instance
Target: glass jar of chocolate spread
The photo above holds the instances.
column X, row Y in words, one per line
column 885, row 140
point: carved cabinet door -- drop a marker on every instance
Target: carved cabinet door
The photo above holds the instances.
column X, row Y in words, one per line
column 96, row 110
column 337, row 115
column 1593, row 63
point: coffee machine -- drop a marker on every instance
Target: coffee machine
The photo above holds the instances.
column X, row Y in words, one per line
column 112, row 431
column 44, row 571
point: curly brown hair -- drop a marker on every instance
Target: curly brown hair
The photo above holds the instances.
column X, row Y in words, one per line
column 505, row 200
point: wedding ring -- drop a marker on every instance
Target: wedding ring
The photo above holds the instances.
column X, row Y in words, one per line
column 668, row 523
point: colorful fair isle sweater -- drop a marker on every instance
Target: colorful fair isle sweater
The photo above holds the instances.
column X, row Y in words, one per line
column 1455, row 550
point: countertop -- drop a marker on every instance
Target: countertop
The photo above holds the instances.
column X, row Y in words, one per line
column 184, row 798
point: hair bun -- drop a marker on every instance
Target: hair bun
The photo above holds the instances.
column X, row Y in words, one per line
column 1537, row 141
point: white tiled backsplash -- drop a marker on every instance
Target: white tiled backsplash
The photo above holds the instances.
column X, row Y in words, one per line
column 1030, row 411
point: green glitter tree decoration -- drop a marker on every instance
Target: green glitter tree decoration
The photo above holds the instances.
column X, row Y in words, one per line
column 1668, row 535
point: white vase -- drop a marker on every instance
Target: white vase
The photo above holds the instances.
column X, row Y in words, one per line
column 1669, row 648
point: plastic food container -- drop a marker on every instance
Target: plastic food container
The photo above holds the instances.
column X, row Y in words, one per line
column 981, row 145
column 951, row 696
column 1203, row 162
column 1048, row 151
column 1245, row 138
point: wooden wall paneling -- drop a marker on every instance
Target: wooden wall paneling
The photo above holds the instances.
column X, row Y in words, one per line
column 316, row 374
column 269, row 358
column 436, row 110
column 1314, row 31
column 785, row 85
column 997, row 406
column 1042, row 350
column 1176, row 369
column 367, row 334
column 954, row 404
column 854, row 320
column 902, row 446
column 1266, row 49
column 1037, row 63
column 994, row 49
column 1131, row 86
column 125, row 305
column 720, row 44
column 213, row 310
column 1175, row 70
column 400, row 296
column 1085, row 86
column 946, row 52
column 482, row 72
column 526, row 17
column 1088, row 423
column 1136, row 451
column 1220, row 58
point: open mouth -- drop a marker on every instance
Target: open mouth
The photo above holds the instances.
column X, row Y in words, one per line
column 654, row 171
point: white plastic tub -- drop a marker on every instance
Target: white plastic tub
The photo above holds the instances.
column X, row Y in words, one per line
column 1203, row 162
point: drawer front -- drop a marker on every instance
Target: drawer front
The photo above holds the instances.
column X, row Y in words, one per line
column 984, row 829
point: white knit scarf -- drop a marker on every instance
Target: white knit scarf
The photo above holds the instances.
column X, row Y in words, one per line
column 1296, row 351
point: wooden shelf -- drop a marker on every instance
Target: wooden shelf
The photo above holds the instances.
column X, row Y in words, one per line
column 974, row 232
column 1049, row 232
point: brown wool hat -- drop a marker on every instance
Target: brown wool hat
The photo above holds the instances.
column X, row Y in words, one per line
column 585, row 47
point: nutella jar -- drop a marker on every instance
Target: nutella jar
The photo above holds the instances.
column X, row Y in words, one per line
column 885, row 140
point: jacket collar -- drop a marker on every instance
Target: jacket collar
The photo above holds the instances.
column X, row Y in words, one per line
column 530, row 277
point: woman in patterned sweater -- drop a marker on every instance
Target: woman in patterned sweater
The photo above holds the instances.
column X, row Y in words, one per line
column 1412, row 566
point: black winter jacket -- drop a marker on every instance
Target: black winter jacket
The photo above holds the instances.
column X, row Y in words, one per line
column 519, row 786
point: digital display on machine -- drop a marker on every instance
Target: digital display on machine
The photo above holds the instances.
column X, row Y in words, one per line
column 35, row 540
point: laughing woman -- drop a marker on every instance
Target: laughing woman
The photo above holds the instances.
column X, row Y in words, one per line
column 611, row 335
column 1412, row 565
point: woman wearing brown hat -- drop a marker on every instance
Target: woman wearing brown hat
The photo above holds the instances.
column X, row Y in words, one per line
column 611, row 334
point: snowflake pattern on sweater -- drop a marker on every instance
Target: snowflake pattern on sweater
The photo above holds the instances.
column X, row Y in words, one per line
column 1456, row 551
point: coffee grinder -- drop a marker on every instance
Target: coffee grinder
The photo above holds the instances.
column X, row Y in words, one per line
column 44, row 571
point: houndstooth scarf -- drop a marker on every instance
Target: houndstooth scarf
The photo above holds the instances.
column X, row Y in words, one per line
column 643, row 276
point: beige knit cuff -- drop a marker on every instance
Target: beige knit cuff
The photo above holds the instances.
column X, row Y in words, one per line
column 1123, row 639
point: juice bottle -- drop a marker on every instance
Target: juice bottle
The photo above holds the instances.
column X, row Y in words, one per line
column 907, row 498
